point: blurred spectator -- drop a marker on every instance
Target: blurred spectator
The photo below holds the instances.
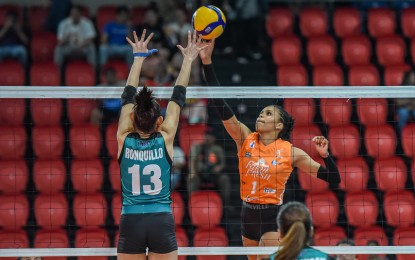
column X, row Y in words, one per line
column 405, row 107
column 374, row 257
column 207, row 162
column 346, row 242
column 167, row 10
column 75, row 38
column 113, row 43
column 110, row 107
column 177, row 30
column 29, row 258
column 195, row 111
column 153, row 23
column 179, row 161
column 58, row 10
column 13, row 39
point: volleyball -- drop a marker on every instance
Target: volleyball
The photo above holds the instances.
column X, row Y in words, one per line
column 209, row 21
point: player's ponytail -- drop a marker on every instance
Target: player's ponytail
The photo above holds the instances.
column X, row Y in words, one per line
column 288, row 122
column 146, row 110
column 294, row 223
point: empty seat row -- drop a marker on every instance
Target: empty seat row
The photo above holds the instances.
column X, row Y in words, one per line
column 347, row 21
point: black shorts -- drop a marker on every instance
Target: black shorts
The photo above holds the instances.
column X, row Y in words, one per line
column 154, row 231
column 258, row 219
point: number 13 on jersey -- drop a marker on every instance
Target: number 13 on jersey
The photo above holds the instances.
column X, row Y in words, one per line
column 151, row 171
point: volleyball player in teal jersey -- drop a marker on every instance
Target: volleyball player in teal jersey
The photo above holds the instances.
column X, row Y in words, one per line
column 295, row 229
column 145, row 152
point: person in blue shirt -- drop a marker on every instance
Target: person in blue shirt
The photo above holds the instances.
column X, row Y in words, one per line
column 295, row 228
column 145, row 152
column 113, row 38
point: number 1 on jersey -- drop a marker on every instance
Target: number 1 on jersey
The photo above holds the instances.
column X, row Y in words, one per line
column 253, row 187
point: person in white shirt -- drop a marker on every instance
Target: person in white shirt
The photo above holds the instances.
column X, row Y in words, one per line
column 76, row 36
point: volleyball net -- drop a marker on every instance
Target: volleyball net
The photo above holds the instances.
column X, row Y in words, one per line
column 60, row 183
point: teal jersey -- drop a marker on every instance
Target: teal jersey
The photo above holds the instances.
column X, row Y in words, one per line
column 309, row 253
column 145, row 168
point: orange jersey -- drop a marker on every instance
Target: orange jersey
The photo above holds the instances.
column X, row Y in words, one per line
column 264, row 170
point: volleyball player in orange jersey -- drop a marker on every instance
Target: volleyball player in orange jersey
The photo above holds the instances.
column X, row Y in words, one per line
column 266, row 161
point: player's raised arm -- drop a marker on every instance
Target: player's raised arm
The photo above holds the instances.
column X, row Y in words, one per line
column 178, row 98
column 237, row 130
column 140, row 52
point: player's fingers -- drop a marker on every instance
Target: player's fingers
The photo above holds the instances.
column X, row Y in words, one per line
column 129, row 41
column 189, row 38
column 149, row 38
column 194, row 37
column 135, row 37
column 180, row 48
column 143, row 36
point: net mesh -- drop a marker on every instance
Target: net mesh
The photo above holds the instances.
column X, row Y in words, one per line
column 60, row 186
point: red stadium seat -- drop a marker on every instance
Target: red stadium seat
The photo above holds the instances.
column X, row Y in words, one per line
column 205, row 208
column 324, row 208
column 344, row 141
column 310, row 183
column 14, row 211
column 286, row 50
column 12, row 142
column 413, row 49
column 49, row 176
column 190, row 135
column 380, row 141
column 5, row 8
column 52, row 239
column 111, row 140
column 14, row 239
column 313, row 22
column 407, row 22
column 177, row 207
column 87, row 175
column 79, row 73
column 138, row 14
column 42, row 46
column 182, row 239
column 116, row 206
column 85, row 141
column 115, row 178
column 404, row 237
column 354, row 174
column 364, row 76
column 356, row 50
column 46, row 112
column 301, row 138
column 347, row 22
column 366, row 234
column 51, row 211
column 13, row 176
column 80, row 110
column 321, row 50
column 48, row 142
column 408, row 140
column 302, row 110
column 280, row 21
column 90, row 210
column 394, row 74
column 121, row 69
column 12, row 73
column 105, row 14
column 399, row 208
column 361, row 208
column 92, row 238
column 292, row 75
column 45, row 74
column 329, row 236
column 215, row 236
column 372, row 111
column 381, row 22
column 37, row 18
column 328, row 75
column 390, row 174
column 336, row 111
column 12, row 111
column 390, row 50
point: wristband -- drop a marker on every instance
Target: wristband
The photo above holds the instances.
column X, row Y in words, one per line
column 145, row 54
column 179, row 95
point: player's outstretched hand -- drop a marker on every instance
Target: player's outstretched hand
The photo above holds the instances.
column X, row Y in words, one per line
column 322, row 145
column 140, row 46
column 194, row 46
column 206, row 53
